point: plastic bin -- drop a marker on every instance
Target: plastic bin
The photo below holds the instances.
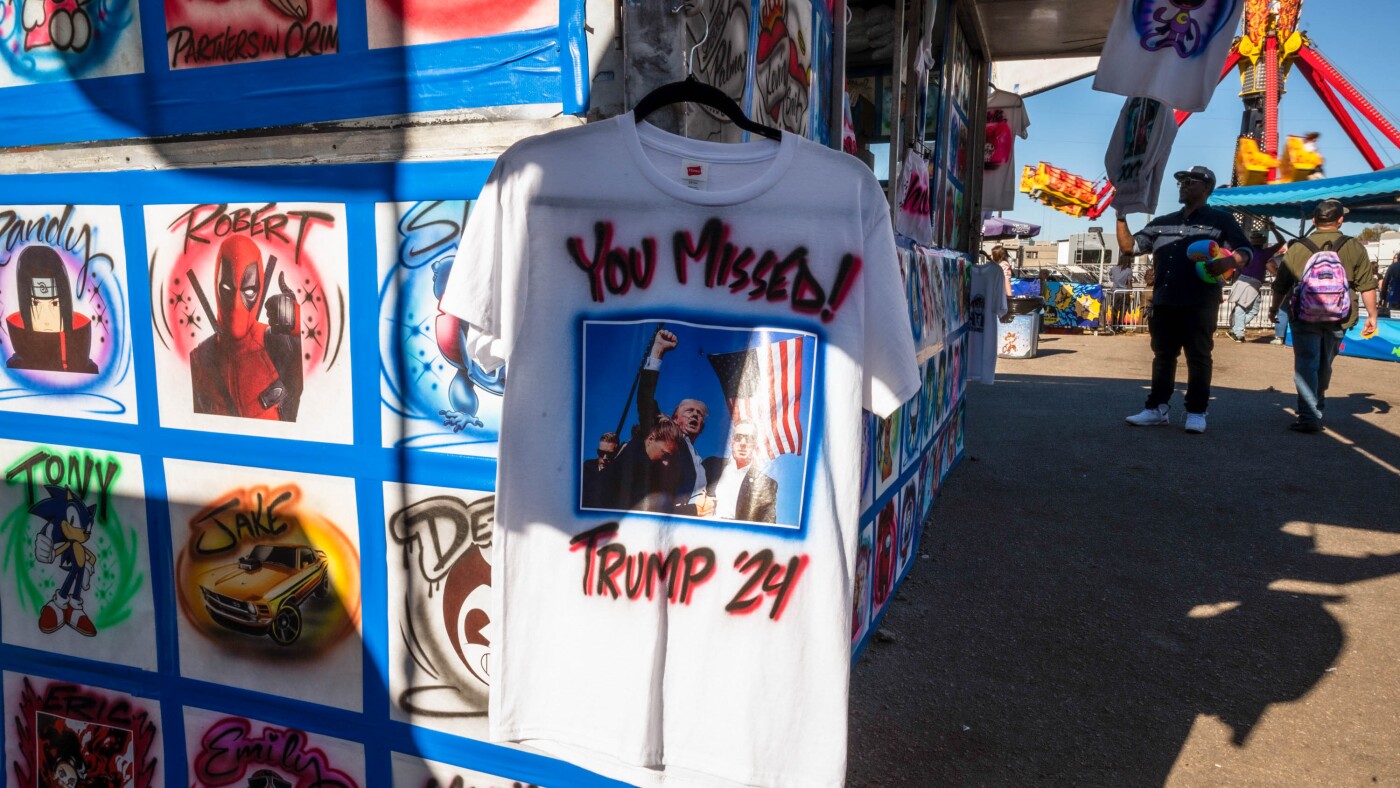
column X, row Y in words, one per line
column 1021, row 337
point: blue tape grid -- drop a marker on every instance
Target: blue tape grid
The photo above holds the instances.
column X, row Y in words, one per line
column 535, row 66
column 366, row 461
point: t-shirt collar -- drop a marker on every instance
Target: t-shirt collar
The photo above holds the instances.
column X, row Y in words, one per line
column 776, row 156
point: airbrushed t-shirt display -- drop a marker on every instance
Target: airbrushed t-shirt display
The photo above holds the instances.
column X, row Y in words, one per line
column 1138, row 152
column 1169, row 50
column 725, row 310
column 1006, row 120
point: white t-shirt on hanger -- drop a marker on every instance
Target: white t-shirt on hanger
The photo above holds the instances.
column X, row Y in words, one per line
column 1137, row 154
column 988, row 305
column 1006, row 120
column 1162, row 50
column 624, row 273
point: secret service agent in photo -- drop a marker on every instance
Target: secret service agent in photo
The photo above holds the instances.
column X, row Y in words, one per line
column 1184, row 306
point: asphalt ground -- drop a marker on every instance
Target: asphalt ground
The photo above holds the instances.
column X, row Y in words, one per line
column 1099, row 604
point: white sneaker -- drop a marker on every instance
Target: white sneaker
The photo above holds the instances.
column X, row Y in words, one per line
column 1196, row 422
column 1150, row 417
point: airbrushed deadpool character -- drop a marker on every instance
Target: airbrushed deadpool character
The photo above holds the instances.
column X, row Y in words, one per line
column 248, row 368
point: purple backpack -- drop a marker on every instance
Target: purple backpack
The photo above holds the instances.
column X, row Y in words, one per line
column 1322, row 294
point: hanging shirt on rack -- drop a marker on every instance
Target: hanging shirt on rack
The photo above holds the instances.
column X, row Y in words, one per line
column 913, row 216
column 740, row 300
column 1006, row 120
column 988, row 293
column 1137, row 154
column 1169, row 50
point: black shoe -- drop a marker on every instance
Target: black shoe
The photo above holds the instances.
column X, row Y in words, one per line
column 1306, row 426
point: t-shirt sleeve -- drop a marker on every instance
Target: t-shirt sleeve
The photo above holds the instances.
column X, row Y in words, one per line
column 487, row 285
column 891, row 370
column 1142, row 239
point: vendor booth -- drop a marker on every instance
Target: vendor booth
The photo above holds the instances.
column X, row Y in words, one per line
column 256, row 442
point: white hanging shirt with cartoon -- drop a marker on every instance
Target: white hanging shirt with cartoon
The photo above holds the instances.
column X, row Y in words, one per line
column 1137, row 154
column 624, row 275
column 1006, row 120
column 1169, row 50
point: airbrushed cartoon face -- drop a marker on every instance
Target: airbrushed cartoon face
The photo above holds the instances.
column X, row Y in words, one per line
column 239, row 277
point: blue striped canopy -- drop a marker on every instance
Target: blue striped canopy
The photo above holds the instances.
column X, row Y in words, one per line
column 1371, row 197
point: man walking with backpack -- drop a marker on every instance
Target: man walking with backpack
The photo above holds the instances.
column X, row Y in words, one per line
column 1322, row 278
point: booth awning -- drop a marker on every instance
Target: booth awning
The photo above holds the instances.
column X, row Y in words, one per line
column 995, row 228
column 1027, row 29
column 1372, row 197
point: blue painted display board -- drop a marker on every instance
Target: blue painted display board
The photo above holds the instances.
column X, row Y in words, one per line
column 135, row 68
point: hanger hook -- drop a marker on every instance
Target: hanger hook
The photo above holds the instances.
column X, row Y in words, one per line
column 690, row 54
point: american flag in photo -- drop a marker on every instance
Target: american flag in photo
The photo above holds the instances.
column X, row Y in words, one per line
column 763, row 386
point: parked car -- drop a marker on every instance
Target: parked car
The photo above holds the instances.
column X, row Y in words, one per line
column 263, row 592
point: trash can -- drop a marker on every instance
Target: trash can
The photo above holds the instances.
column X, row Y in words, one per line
column 1021, row 337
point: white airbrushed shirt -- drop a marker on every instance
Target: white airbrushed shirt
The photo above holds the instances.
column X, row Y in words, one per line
column 639, row 637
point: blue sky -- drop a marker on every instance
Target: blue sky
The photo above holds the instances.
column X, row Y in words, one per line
column 1070, row 125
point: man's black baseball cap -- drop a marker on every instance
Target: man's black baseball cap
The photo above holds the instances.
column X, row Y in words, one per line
column 1329, row 211
column 1198, row 173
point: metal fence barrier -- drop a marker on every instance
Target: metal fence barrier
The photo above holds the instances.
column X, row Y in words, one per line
column 1127, row 310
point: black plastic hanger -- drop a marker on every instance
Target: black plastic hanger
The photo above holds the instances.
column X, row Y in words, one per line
column 693, row 91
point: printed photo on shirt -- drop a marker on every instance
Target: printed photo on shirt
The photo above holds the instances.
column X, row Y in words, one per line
column 908, row 523
column 64, row 734
column 695, row 421
column 249, row 306
column 432, row 395
column 76, row 578
column 267, row 578
column 411, row 772
column 65, row 349
column 886, row 553
column 863, row 580
column 440, row 613
column 235, row 751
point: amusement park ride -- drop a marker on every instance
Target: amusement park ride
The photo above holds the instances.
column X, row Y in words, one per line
column 1270, row 46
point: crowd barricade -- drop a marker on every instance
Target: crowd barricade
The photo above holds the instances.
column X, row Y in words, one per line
column 1127, row 310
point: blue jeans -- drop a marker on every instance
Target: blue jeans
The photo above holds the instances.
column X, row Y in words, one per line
column 1239, row 318
column 1281, row 327
column 1314, row 348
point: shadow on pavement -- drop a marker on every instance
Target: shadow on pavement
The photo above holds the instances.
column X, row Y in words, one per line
column 1089, row 588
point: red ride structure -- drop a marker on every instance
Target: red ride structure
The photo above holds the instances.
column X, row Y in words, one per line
column 1269, row 47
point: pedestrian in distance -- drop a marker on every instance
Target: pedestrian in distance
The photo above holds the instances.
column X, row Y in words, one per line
column 1184, row 303
column 1322, row 279
column 1249, row 285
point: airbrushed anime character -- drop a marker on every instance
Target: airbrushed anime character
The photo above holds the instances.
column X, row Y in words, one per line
column 63, row 538
column 248, row 368
column 45, row 333
column 451, row 335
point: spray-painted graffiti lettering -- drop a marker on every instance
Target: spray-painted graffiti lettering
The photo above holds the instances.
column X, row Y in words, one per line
column 203, row 223
column 610, row 571
column 769, row 275
column 245, row 515
column 67, row 729
column 228, row 749
column 57, row 231
column 81, row 471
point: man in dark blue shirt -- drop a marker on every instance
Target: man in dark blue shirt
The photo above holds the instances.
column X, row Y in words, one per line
column 1184, row 306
